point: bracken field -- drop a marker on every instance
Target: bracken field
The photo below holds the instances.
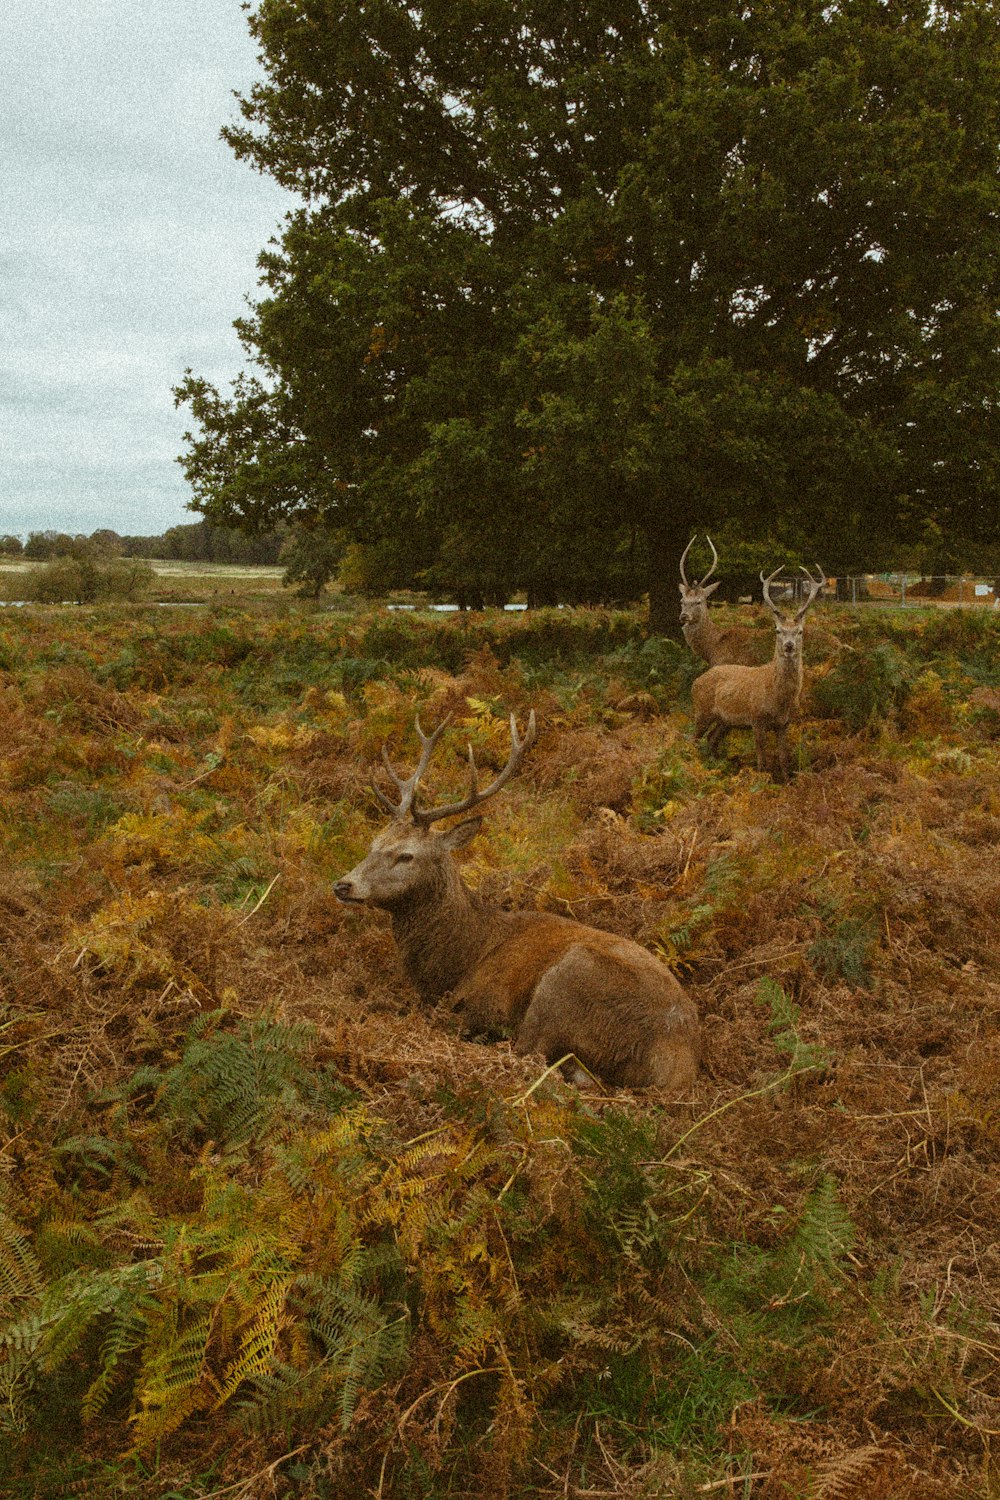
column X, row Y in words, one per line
column 268, row 1228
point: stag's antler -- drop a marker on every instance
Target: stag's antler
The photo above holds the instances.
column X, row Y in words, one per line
column 408, row 787
column 767, row 588
column 815, row 585
column 715, row 562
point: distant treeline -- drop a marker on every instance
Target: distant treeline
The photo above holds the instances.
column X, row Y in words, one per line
column 199, row 542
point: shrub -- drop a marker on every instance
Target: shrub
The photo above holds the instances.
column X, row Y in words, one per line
column 64, row 580
column 127, row 579
column 79, row 580
column 865, row 686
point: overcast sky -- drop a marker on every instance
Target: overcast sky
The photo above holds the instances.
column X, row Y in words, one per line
column 128, row 243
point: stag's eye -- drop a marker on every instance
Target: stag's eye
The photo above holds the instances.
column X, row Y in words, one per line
column 403, row 859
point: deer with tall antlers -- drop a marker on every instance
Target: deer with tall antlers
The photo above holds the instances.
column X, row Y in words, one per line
column 558, row 987
column 706, row 639
column 762, row 698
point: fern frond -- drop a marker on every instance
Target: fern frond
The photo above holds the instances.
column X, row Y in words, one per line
column 17, row 1373
column 802, row 1056
column 176, row 1365
column 841, row 1478
column 281, row 1396
column 258, row 1344
column 825, row 1232
column 20, row 1272
column 26, row 1334
column 124, row 1336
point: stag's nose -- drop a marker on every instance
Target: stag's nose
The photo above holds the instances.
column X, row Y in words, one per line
column 344, row 890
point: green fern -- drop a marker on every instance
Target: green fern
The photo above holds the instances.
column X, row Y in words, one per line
column 20, row 1272
column 258, row 1340
column 230, row 1085
column 285, row 1397
column 803, row 1057
column 678, row 939
column 825, row 1234
column 124, row 1336
column 17, row 1378
column 46, row 1336
column 102, row 1157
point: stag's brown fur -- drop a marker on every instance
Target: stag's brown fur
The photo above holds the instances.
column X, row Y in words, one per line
column 762, row 698
column 736, row 644
column 555, row 985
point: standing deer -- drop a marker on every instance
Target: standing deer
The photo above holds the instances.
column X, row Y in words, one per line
column 558, row 986
column 735, row 644
column 730, row 697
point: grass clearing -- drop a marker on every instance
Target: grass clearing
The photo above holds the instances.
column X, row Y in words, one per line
column 265, row 1224
column 176, row 582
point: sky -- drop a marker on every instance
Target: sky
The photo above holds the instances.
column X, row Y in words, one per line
column 128, row 245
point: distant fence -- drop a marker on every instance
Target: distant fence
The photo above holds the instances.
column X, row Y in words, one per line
column 900, row 589
column 949, row 590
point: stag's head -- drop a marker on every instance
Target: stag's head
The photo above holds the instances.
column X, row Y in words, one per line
column 789, row 628
column 694, row 596
column 408, row 856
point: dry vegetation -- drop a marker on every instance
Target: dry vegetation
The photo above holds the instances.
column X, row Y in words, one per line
column 266, row 1229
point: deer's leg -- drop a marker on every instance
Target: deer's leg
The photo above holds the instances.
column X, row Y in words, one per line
column 623, row 1024
column 477, row 1010
column 760, row 746
column 716, row 737
column 784, row 758
column 559, row 1021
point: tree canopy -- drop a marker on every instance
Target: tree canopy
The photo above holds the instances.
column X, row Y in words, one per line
column 569, row 282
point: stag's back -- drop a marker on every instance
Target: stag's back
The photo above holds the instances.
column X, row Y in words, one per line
column 561, row 987
column 740, row 696
column 739, row 645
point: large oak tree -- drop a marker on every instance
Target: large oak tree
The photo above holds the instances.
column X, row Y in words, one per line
column 572, row 280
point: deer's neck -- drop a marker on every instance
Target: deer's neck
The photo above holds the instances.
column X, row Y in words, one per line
column 441, row 932
column 701, row 635
column 787, row 680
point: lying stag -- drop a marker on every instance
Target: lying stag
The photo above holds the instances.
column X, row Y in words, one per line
column 731, row 697
column 736, row 644
column 559, row 987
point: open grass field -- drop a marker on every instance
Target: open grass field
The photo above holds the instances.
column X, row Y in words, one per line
column 176, row 582
column 267, row 1227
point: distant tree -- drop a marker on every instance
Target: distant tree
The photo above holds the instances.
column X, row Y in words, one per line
column 42, row 545
column 125, row 580
column 11, row 546
column 202, row 542
column 142, row 546
column 311, row 558
column 569, row 280
column 106, row 543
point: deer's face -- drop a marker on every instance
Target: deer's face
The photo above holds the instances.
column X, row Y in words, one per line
column 789, row 638
column 404, row 859
column 694, row 602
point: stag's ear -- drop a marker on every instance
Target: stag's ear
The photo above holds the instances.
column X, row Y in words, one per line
column 712, row 587
column 461, row 834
